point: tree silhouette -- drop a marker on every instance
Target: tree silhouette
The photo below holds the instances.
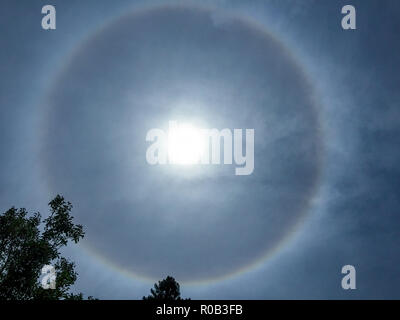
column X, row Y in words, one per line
column 167, row 289
column 26, row 245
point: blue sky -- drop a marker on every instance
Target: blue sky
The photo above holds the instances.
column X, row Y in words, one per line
column 75, row 104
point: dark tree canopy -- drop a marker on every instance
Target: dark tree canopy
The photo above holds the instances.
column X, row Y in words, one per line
column 167, row 289
column 28, row 243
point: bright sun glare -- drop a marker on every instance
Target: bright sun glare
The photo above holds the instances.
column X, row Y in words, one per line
column 185, row 144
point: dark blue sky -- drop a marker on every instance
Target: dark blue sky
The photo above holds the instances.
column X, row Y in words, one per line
column 75, row 104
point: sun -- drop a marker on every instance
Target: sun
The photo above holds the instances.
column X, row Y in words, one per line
column 186, row 144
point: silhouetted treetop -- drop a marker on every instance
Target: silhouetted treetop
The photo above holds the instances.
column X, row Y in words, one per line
column 25, row 249
column 167, row 289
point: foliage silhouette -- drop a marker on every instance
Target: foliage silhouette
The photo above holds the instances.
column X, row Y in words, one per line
column 167, row 289
column 28, row 243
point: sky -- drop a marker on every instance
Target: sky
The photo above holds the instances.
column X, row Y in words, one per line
column 76, row 104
